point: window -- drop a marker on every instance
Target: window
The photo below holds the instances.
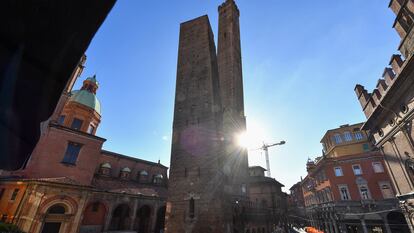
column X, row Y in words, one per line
column 377, row 166
column 343, row 190
column 76, row 124
column 357, row 169
column 142, row 176
column 14, row 194
column 158, row 179
column 72, row 152
column 358, row 135
column 348, row 136
column 243, row 188
column 337, row 138
column 338, row 171
column 363, row 190
column 191, row 208
column 386, row 189
column 56, row 209
column 365, row 147
column 91, row 128
column 61, row 119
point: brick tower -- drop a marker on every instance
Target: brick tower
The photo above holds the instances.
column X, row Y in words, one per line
column 231, row 87
column 208, row 174
column 196, row 202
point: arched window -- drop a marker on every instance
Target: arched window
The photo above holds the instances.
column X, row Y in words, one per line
column 142, row 176
column 125, row 172
column 105, row 169
column 56, row 209
column 191, row 208
column 158, row 179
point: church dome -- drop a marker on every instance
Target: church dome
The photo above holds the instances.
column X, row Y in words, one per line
column 86, row 98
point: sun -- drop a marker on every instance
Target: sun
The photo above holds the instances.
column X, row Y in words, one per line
column 252, row 138
column 243, row 139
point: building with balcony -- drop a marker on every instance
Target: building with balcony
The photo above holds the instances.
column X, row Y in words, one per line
column 348, row 188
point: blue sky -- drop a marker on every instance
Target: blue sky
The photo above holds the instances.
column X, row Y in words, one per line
column 301, row 61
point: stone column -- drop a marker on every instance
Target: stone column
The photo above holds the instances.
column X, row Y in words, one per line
column 133, row 214
column 77, row 220
column 153, row 219
column 364, row 225
column 108, row 217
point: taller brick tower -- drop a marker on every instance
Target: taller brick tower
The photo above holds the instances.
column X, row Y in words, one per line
column 231, row 87
column 196, row 202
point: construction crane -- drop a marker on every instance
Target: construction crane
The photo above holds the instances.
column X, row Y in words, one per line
column 265, row 148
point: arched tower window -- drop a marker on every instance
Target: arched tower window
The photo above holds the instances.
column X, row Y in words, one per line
column 191, row 208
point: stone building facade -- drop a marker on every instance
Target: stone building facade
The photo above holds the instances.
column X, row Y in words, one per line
column 348, row 188
column 70, row 184
column 267, row 206
column 389, row 110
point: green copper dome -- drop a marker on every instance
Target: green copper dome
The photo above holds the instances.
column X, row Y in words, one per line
column 86, row 98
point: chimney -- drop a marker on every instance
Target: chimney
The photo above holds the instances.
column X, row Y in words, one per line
column 389, row 76
column 396, row 62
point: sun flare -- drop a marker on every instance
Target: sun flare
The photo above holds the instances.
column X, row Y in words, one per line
column 252, row 138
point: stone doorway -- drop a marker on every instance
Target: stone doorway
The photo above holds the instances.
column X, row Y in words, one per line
column 54, row 217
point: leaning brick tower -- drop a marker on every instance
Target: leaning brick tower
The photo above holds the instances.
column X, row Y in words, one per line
column 231, row 87
column 196, row 200
column 208, row 170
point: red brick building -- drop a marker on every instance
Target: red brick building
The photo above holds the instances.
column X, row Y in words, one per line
column 348, row 188
column 70, row 184
column 296, row 205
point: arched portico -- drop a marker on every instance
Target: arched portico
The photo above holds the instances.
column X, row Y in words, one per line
column 142, row 219
column 94, row 217
column 120, row 218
